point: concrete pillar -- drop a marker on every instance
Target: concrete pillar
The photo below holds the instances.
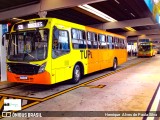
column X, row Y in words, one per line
column 42, row 14
column 3, row 52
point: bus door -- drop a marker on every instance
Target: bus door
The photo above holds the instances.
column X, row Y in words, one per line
column 60, row 55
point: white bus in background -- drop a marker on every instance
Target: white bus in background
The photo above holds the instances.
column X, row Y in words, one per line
column 132, row 48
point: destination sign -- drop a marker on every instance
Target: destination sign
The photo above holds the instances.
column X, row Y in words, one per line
column 144, row 43
column 30, row 24
column 34, row 25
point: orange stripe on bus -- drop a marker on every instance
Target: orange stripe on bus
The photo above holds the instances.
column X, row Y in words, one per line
column 41, row 78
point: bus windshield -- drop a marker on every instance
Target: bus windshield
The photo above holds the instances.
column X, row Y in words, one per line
column 28, row 45
column 144, row 48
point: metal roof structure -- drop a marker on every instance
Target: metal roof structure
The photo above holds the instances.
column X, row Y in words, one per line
column 134, row 13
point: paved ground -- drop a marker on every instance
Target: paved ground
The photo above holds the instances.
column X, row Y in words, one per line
column 130, row 89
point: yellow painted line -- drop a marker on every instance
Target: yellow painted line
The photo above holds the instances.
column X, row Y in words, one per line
column 29, row 105
column 87, row 82
column 101, row 86
column 39, row 100
column 62, row 92
column 94, row 86
column 20, row 97
column 2, row 102
column 11, row 87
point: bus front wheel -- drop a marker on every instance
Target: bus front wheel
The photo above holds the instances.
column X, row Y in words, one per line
column 76, row 74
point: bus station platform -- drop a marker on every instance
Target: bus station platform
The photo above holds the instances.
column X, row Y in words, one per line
column 133, row 88
column 44, row 43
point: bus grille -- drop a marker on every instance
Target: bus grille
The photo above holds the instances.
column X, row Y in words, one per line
column 23, row 69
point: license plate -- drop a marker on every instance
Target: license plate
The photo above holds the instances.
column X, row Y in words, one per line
column 23, row 77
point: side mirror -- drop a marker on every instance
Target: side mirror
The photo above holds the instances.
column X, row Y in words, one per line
column 56, row 33
column 7, row 36
column 3, row 37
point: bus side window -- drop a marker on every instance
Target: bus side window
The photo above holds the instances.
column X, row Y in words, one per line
column 63, row 40
column 107, row 42
column 120, row 43
column 78, row 39
column 92, row 40
column 123, row 44
column 60, row 43
column 102, row 41
column 89, row 40
column 110, row 38
column 116, row 43
column 113, row 42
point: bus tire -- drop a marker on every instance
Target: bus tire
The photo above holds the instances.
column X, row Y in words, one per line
column 76, row 74
column 114, row 67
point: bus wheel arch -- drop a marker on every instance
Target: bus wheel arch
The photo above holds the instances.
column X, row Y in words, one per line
column 115, row 63
column 78, row 72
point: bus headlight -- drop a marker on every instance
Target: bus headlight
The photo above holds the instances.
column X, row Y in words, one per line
column 42, row 68
column 9, row 68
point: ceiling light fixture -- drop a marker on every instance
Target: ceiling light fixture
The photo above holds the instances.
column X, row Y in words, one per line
column 132, row 14
column 130, row 29
column 18, row 19
column 97, row 12
column 117, row 1
column 101, row 14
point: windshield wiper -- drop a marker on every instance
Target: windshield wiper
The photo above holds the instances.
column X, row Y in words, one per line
column 26, row 53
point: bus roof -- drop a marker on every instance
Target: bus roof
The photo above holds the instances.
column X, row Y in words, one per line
column 72, row 24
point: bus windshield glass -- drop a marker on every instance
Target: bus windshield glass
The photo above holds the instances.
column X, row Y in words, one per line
column 28, row 45
column 144, row 48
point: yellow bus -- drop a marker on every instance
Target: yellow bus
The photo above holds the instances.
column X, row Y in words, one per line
column 147, row 49
column 50, row 50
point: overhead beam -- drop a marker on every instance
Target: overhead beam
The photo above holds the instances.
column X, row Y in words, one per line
column 141, row 32
column 18, row 12
column 89, row 14
column 44, row 5
column 125, row 23
column 132, row 39
column 59, row 4
column 152, row 37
